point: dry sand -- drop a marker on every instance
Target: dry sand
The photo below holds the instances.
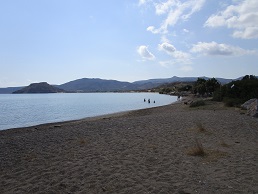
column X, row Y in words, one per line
column 144, row 151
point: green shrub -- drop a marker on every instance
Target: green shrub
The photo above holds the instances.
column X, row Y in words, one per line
column 237, row 91
column 217, row 95
column 231, row 102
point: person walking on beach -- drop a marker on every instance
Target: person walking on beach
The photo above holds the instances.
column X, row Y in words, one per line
column 149, row 101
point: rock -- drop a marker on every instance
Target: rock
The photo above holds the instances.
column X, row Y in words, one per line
column 252, row 107
column 248, row 103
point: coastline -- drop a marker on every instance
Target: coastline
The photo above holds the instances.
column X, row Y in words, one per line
column 140, row 151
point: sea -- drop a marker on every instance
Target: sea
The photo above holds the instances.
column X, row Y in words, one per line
column 24, row 110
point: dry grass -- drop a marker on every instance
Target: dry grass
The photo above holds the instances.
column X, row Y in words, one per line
column 224, row 144
column 200, row 127
column 82, row 141
column 197, row 150
column 214, row 155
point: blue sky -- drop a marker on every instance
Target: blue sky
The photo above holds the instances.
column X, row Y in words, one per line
column 62, row 40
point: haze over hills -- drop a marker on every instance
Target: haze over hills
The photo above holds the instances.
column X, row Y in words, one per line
column 102, row 85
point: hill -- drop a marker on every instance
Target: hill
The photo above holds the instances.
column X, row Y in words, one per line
column 42, row 87
column 9, row 90
column 97, row 85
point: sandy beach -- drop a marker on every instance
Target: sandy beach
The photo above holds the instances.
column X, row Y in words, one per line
column 144, row 151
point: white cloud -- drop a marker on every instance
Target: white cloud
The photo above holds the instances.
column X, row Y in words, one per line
column 241, row 17
column 162, row 8
column 145, row 53
column 153, row 30
column 142, row 2
column 165, row 63
column 186, row 31
column 178, row 56
column 164, row 38
column 215, row 49
column 247, row 33
column 186, row 68
column 168, row 48
column 174, row 64
column 176, row 11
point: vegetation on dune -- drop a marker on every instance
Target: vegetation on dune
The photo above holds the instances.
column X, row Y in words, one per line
column 237, row 92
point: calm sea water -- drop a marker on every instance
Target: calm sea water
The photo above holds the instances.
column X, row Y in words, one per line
column 22, row 110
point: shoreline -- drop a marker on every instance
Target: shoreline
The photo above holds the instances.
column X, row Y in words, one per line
column 140, row 151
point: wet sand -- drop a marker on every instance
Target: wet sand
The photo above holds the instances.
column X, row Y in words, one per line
column 144, row 151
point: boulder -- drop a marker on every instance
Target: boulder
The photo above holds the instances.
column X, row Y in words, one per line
column 248, row 103
column 252, row 107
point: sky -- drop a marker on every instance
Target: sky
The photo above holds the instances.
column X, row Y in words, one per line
column 57, row 41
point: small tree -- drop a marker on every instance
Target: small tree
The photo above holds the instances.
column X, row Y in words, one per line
column 203, row 86
column 211, row 85
column 199, row 86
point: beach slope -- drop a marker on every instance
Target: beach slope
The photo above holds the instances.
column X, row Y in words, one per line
column 145, row 151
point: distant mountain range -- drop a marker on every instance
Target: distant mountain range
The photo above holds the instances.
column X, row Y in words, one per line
column 101, row 85
column 179, row 79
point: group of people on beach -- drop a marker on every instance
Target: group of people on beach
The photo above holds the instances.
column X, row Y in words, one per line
column 148, row 101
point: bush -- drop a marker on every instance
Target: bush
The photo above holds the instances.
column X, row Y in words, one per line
column 231, row 102
column 197, row 103
column 217, row 95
